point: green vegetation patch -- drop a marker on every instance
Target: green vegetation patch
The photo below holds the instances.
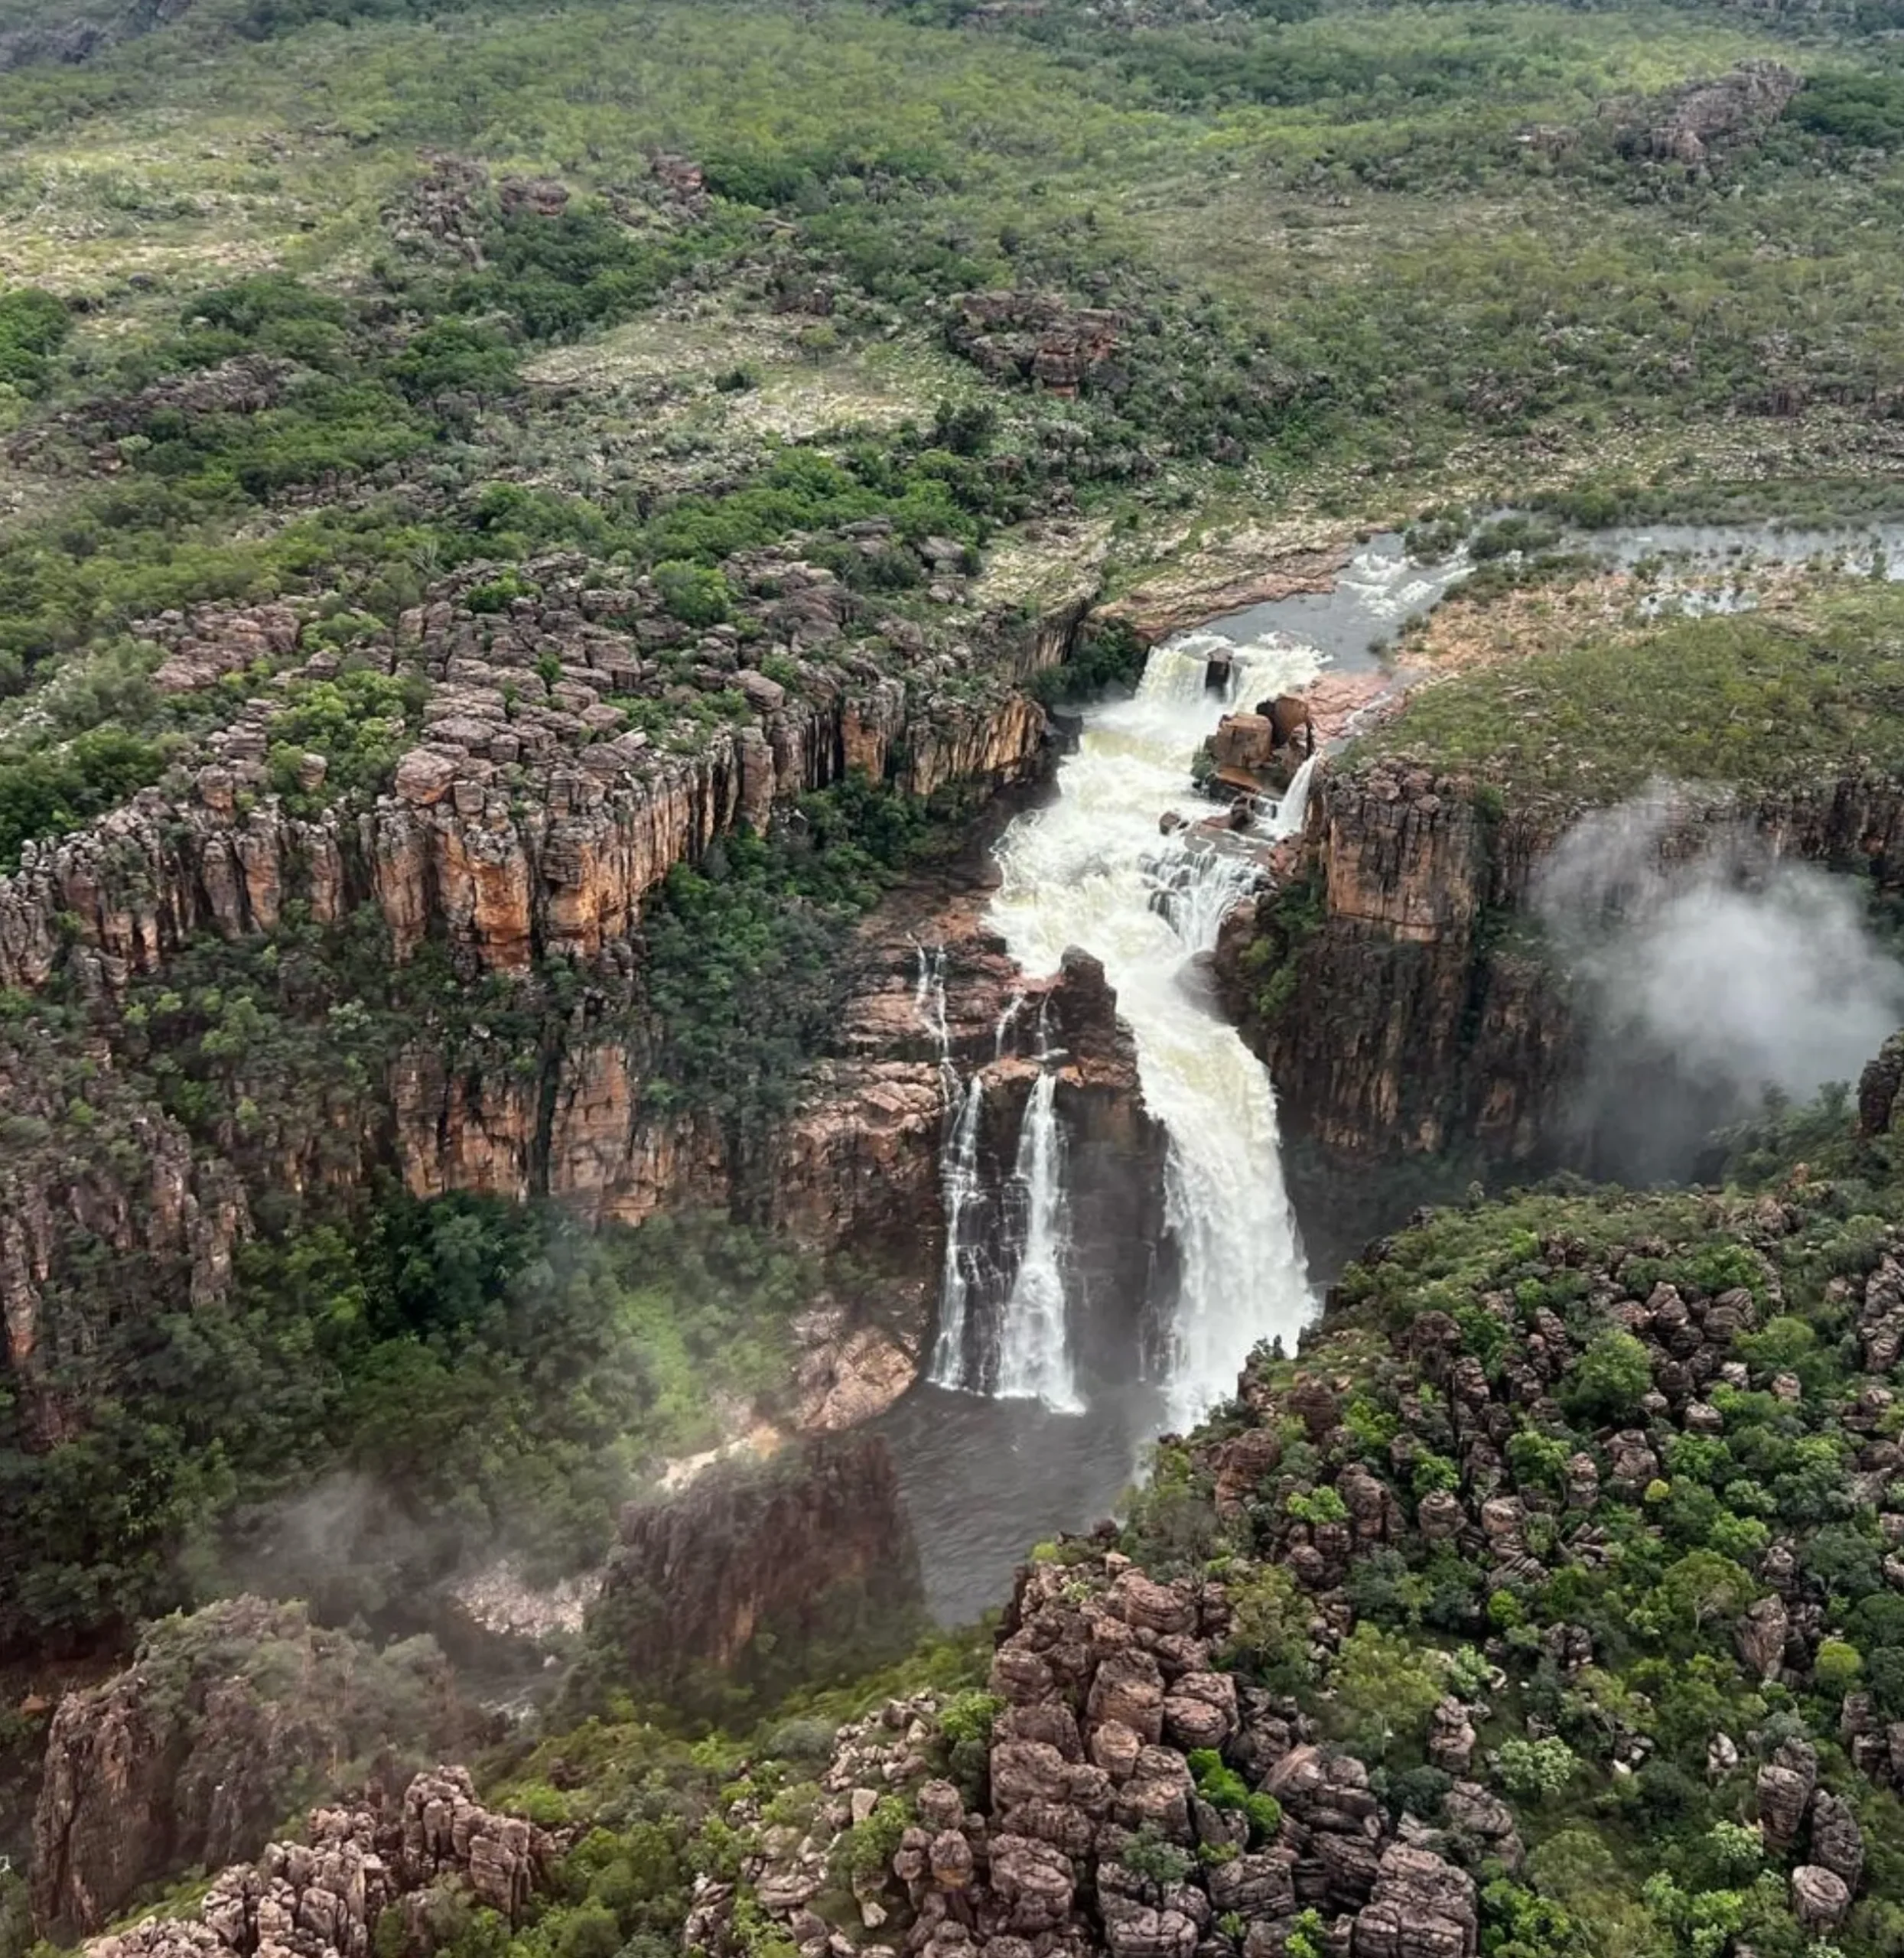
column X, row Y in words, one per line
column 1750, row 700
column 434, row 1383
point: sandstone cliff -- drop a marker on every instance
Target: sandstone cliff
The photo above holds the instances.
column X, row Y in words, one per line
column 812, row 1545
column 937, row 1000
column 444, row 980
column 1397, row 983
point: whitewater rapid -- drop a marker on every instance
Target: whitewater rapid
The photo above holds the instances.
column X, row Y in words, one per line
column 1091, row 869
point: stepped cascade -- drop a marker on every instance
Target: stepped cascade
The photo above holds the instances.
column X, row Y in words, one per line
column 1091, row 869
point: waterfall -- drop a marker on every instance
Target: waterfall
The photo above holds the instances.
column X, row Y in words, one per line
column 1088, row 869
column 1034, row 1356
column 1293, row 810
column 929, row 1008
column 962, row 1270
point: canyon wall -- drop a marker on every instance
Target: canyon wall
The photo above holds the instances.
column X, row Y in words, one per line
column 196, row 1752
column 1397, row 982
column 443, row 981
column 756, row 1562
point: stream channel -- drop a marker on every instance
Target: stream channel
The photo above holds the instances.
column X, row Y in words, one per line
column 1003, row 1442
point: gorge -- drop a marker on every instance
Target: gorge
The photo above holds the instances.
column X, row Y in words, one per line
column 932, row 936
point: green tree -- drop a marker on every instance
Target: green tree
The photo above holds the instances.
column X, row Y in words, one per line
column 1607, row 1381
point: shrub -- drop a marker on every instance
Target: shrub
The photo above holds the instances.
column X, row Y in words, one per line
column 1322, row 1505
column 693, row 594
column 1838, row 1666
column 1151, row 1855
column 863, row 1855
column 33, row 326
column 1537, row 1769
column 497, row 594
column 1222, row 1787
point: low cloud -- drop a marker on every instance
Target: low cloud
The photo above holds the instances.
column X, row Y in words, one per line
column 1710, row 972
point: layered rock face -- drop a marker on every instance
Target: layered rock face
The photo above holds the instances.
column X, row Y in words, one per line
column 196, row 1752
column 323, row 1897
column 1414, row 1018
column 512, row 835
column 812, row 1543
column 525, row 830
column 937, row 1000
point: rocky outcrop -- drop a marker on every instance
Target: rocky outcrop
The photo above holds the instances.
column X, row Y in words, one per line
column 1094, row 1835
column 1018, row 336
column 1706, row 120
column 1198, row 592
column 195, row 1752
column 936, row 1002
column 814, row 1543
column 323, row 1897
column 1878, row 1087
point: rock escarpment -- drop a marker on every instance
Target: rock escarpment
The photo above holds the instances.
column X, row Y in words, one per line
column 199, row 1748
column 522, row 826
column 444, row 980
column 1580, row 1504
column 937, row 1000
column 1395, row 985
column 812, row 1545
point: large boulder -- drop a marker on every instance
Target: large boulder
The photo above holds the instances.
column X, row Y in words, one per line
column 1820, row 1898
column 1423, row 1907
column 1761, row 1636
column 1838, row 1844
column 1784, row 1788
column 1033, row 1881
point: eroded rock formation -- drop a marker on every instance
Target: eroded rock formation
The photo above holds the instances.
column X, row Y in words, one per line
column 1063, row 349
column 196, row 1752
column 1704, row 120
column 813, row 1543
column 323, row 1897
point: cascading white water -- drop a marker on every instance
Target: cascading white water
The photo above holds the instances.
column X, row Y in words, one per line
column 1034, row 1340
column 1089, row 870
column 959, row 1181
column 929, row 1006
column 1293, row 811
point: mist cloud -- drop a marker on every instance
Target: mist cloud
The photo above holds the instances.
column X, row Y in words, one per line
column 1710, row 972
